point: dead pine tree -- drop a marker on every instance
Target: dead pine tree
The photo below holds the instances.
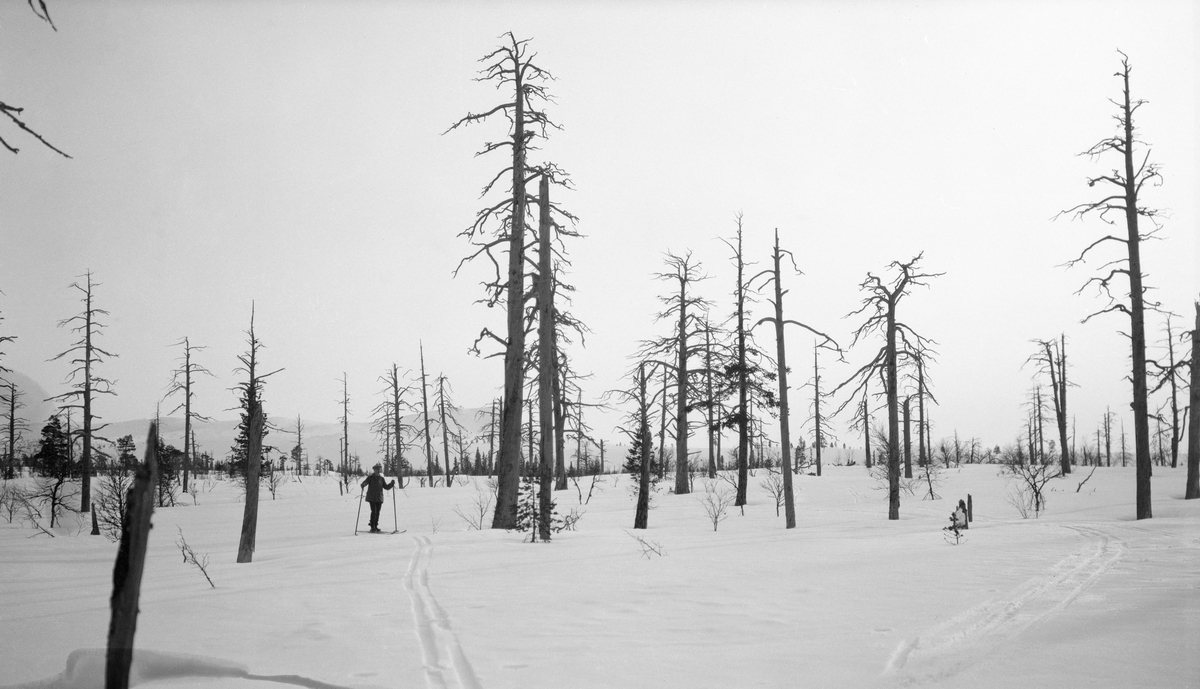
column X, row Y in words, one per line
column 1051, row 359
column 425, row 420
column 129, row 566
column 447, row 420
column 500, row 226
column 1192, row 491
column 880, row 306
column 774, row 274
column 1126, row 184
column 639, row 433
column 84, row 355
column 743, row 374
column 389, row 413
column 344, row 443
column 181, row 382
column 10, row 402
column 685, row 311
column 822, row 428
column 254, row 425
column 1170, row 376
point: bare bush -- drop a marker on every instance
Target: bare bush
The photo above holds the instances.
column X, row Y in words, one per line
column 274, row 480
column 571, row 519
column 774, row 485
column 189, row 557
column 591, row 488
column 716, row 502
column 112, row 502
column 1027, row 483
column 648, row 547
column 908, row 486
column 11, row 497
column 929, row 478
column 481, row 507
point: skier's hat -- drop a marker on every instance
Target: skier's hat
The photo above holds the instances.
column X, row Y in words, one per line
column 377, row 466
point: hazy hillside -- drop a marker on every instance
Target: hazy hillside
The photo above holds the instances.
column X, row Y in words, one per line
column 321, row 438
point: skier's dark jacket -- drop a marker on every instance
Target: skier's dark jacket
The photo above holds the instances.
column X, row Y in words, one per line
column 375, row 486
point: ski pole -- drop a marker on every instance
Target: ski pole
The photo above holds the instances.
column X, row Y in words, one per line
column 395, row 519
column 359, row 515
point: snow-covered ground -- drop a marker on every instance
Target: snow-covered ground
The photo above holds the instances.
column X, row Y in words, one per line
column 1082, row 597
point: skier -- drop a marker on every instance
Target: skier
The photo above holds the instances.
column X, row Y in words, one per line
column 375, row 487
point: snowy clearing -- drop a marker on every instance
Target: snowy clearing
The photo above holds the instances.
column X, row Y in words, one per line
column 1083, row 596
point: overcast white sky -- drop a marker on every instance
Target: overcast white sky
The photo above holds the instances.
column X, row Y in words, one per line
column 291, row 153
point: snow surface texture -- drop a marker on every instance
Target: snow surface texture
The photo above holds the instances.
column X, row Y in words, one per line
column 1082, row 597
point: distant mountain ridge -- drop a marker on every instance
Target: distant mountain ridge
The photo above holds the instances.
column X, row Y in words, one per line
column 321, row 438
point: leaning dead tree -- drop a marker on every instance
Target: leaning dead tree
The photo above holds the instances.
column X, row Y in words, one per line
column 880, row 307
column 774, row 274
column 252, row 429
column 128, row 568
column 181, row 382
column 1125, row 185
column 14, row 113
column 1051, row 359
column 84, row 355
column 500, row 227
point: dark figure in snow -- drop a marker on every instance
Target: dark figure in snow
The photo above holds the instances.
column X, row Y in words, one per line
column 959, row 518
column 375, row 486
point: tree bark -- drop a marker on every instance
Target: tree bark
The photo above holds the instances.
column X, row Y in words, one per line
column 893, row 411
column 1193, row 452
column 681, row 395
column 129, row 566
column 509, row 464
column 425, row 418
column 253, row 466
column 785, row 438
column 641, row 516
column 907, row 438
column 818, row 441
column 547, row 371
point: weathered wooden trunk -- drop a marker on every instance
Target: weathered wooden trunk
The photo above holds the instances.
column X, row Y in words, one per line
column 130, row 563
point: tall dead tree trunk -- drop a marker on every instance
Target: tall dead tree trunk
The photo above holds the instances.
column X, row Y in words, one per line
column 662, row 427
column 881, row 303
column 1193, row 454
column 249, row 536
column 641, row 516
column 785, row 438
column 710, row 402
column 441, row 382
column 907, row 438
column 425, row 419
column 547, row 371
column 255, row 422
column 866, row 430
column 181, row 382
column 1128, row 180
column 129, row 567
column 922, row 429
column 85, row 355
column 818, row 441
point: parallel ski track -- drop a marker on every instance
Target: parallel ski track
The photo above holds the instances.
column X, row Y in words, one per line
column 948, row 648
column 446, row 666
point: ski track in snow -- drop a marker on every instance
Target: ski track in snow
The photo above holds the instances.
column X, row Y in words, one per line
column 950, row 647
column 446, row 666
